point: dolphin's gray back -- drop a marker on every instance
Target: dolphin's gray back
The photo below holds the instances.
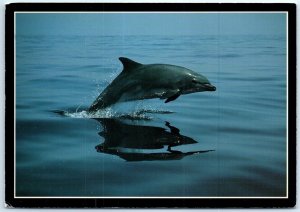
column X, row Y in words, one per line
column 136, row 83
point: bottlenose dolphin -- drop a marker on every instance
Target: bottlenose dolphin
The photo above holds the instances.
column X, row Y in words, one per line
column 138, row 81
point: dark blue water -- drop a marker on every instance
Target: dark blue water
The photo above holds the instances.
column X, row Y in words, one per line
column 231, row 142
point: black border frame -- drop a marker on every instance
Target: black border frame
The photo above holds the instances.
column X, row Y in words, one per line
column 146, row 203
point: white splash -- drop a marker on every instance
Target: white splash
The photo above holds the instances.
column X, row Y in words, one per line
column 137, row 114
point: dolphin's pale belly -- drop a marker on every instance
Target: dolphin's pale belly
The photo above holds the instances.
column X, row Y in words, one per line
column 124, row 93
column 139, row 93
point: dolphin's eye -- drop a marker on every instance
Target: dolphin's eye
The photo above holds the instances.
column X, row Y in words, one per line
column 194, row 81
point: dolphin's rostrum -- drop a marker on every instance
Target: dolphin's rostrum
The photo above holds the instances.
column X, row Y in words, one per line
column 138, row 81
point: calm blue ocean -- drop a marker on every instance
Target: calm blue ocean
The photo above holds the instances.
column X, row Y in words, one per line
column 232, row 141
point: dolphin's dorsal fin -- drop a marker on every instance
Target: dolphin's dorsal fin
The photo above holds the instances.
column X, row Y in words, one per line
column 129, row 64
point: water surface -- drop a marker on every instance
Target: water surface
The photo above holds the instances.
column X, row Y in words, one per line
column 231, row 142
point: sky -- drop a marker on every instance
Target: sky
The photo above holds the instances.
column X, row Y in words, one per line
column 150, row 23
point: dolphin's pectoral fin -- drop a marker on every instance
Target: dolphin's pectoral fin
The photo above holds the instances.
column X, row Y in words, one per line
column 173, row 97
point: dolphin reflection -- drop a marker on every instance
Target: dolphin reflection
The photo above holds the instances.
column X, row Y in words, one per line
column 119, row 137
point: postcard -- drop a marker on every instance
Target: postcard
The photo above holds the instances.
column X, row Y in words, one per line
column 150, row 105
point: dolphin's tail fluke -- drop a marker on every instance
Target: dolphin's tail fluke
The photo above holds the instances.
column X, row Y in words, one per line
column 92, row 108
column 102, row 102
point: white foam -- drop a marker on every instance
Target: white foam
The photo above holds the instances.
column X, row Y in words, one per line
column 106, row 113
column 137, row 114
